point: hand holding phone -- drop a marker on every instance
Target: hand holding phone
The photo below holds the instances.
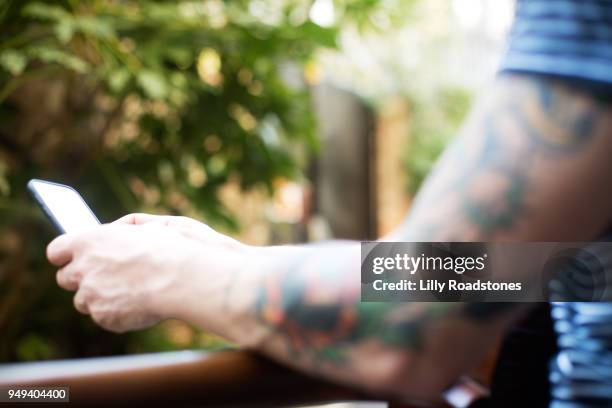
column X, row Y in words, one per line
column 63, row 205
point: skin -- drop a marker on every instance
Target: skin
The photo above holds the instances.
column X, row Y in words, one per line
column 532, row 163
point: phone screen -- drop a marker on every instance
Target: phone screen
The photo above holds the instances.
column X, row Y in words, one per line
column 64, row 205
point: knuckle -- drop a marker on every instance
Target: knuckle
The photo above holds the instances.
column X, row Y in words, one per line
column 117, row 329
column 86, row 293
column 100, row 316
column 65, row 280
column 108, row 320
column 84, row 239
column 60, row 279
column 80, row 303
column 75, row 276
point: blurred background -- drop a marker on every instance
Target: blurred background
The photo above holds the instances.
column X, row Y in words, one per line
column 275, row 121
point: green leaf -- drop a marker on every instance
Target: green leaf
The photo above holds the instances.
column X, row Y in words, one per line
column 5, row 187
column 54, row 55
column 95, row 27
column 34, row 347
column 13, row 61
column 118, row 79
column 153, row 84
column 46, row 12
column 182, row 56
column 64, row 30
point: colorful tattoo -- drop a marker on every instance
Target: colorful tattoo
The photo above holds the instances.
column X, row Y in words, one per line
column 526, row 119
column 323, row 318
column 476, row 192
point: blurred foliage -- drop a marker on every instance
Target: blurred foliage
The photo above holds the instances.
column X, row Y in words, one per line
column 143, row 105
column 435, row 120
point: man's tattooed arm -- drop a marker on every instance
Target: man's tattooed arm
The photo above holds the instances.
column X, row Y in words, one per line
column 526, row 160
column 533, row 162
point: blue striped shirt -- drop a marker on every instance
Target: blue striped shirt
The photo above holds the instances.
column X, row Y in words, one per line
column 562, row 37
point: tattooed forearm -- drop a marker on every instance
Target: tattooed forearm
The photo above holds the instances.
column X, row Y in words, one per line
column 520, row 170
column 315, row 307
column 322, row 318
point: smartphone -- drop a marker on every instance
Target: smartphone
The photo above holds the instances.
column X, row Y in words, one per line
column 63, row 205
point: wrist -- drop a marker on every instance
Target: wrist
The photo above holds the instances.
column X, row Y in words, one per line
column 169, row 297
column 208, row 290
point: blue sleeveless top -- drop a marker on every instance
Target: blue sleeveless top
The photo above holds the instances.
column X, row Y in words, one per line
column 571, row 39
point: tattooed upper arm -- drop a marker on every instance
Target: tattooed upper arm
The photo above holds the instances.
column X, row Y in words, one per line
column 531, row 163
column 533, row 152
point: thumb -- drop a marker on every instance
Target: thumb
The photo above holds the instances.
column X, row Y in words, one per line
column 60, row 250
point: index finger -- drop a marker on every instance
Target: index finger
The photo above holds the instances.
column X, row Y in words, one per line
column 137, row 219
column 60, row 250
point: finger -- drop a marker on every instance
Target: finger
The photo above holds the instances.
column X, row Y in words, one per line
column 108, row 322
column 185, row 223
column 137, row 219
column 60, row 250
column 68, row 278
column 80, row 302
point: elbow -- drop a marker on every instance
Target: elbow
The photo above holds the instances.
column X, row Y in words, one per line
column 406, row 377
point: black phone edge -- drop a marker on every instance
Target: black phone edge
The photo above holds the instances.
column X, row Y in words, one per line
column 44, row 207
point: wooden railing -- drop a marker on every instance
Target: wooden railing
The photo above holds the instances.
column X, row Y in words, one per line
column 187, row 378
